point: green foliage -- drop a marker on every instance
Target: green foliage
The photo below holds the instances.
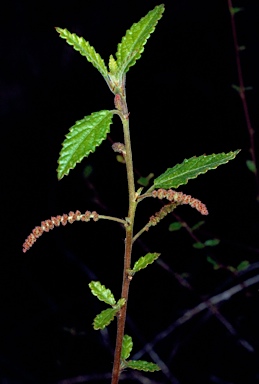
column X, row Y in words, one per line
column 82, row 139
column 127, row 345
column 144, row 181
column 102, row 293
column 243, row 265
column 191, row 168
column 198, row 245
column 132, row 44
column 251, row 166
column 142, row 365
column 175, row 226
column 211, row 242
column 104, row 318
column 143, row 261
column 197, row 225
column 234, row 10
column 79, row 44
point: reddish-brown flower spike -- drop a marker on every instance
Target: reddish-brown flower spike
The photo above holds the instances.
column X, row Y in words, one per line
column 181, row 198
column 55, row 221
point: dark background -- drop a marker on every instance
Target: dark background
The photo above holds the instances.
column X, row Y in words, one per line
column 181, row 104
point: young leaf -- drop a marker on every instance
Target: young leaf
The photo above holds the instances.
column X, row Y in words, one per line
column 120, row 304
column 142, row 365
column 82, row 139
column 191, row 168
column 132, row 44
column 175, row 226
column 104, row 318
column 127, row 346
column 79, row 44
column 143, row 261
column 102, row 293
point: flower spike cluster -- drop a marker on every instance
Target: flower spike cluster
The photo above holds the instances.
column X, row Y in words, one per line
column 55, row 221
column 181, row 198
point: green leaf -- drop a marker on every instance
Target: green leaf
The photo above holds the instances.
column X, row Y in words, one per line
column 120, row 303
column 132, row 44
column 191, row 168
column 243, row 265
column 197, row 225
column 102, row 293
column 104, row 318
column 213, row 262
column 127, row 346
column 113, row 67
column 175, row 226
column 212, row 242
column 79, row 44
column 198, row 245
column 251, row 166
column 142, row 365
column 82, row 139
column 143, row 261
column 234, row 10
column 144, row 181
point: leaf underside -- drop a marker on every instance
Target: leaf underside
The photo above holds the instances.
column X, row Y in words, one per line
column 83, row 138
column 102, row 293
column 191, row 168
column 86, row 50
column 132, row 44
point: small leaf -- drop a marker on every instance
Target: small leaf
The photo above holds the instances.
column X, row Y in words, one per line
column 251, row 166
column 212, row 242
column 243, row 265
column 175, row 226
column 198, row 245
column 236, row 88
column 191, row 168
column 120, row 303
column 104, row 318
column 88, row 170
column 102, row 293
column 143, row 261
column 213, row 262
column 142, row 365
column 113, row 67
column 127, row 346
column 145, row 180
column 82, row 139
column 234, row 10
column 79, row 44
column 198, row 225
column 132, row 44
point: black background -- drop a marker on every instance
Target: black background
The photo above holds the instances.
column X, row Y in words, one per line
column 181, row 104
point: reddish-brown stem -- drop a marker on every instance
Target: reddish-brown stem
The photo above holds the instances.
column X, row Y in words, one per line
column 242, row 93
column 121, row 316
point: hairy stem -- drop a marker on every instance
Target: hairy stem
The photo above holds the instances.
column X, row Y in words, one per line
column 121, row 317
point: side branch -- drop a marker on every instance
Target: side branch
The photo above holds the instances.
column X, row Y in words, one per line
column 55, row 221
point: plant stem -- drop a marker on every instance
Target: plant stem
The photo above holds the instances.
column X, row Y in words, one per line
column 242, row 94
column 121, row 317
